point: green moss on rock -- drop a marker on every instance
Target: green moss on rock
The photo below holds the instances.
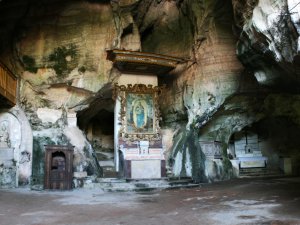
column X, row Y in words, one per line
column 187, row 142
column 38, row 159
column 63, row 59
column 29, row 64
column 197, row 157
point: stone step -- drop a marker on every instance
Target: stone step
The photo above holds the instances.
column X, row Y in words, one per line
column 259, row 172
column 107, row 163
column 253, row 170
column 104, row 155
column 181, row 181
column 110, row 180
column 109, row 172
column 122, row 185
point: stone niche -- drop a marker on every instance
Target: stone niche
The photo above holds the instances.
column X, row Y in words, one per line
column 15, row 148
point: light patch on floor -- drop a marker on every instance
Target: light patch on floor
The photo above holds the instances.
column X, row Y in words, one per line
column 198, row 198
column 245, row 212
column 38, row 213
column 94, row 197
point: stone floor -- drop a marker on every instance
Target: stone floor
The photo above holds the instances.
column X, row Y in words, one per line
column 273, row 201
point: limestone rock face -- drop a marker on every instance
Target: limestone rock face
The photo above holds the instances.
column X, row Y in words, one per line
column 269, row 41
column 268, row 47
column 59, row 54
column 64, row 55
column 165, row 27
column 197, row 89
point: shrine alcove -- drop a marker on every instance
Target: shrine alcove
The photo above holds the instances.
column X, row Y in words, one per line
column 272, row 143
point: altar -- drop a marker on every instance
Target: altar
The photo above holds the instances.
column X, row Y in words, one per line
column 137, row 133
column 253, row 161
column 247, row 151
column 138, row 148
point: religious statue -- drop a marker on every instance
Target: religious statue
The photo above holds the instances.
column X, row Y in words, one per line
column 140, row 116
column 4, row 136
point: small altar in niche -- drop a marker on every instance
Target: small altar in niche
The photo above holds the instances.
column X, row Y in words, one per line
column 245, row 151
column 139, row 152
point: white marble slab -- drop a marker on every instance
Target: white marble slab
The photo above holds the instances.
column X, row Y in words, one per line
column 146, row 169
column 251, row 162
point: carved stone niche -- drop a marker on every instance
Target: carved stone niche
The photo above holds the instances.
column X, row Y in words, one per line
column 58, row 167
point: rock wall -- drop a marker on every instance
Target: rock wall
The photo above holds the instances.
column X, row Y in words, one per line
column 198, row 89
column 213, row 94
column 268, row 47
column 269, row 43
column 58, row 50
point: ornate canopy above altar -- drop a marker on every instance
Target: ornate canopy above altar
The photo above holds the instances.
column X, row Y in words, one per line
column 142, row 62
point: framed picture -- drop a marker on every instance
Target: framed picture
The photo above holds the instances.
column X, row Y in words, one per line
column 139, row 114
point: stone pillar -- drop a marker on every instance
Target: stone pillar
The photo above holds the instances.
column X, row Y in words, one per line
column 116, row 133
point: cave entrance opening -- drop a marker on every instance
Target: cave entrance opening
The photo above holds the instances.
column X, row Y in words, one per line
column 97, row 122
column 100, row 133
